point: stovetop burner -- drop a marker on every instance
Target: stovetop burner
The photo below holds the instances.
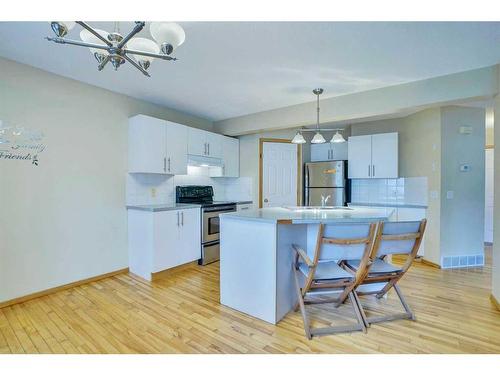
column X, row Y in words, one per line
column 196, row 194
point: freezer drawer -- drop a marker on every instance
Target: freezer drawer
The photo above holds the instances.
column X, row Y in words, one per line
column 313, row 196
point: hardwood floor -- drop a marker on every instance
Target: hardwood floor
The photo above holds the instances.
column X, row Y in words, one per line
column 181, row 314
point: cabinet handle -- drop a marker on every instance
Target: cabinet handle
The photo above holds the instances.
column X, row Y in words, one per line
column 223, row 170
column 164, row 164
column 369, row 173
column 205, row 153
column 177, row 218
column 169, row 164
column 208, row 148
column 182, row 218
column 373, row 170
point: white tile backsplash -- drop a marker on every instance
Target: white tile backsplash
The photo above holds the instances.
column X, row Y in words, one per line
column 139, row 187
column 405, row 190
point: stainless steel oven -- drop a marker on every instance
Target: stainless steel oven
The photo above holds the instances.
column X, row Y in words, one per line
column 210, row 227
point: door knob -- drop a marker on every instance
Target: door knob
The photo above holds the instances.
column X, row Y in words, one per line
column 266, row 200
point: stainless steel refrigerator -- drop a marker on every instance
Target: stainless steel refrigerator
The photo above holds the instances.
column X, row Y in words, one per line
column 325, row 180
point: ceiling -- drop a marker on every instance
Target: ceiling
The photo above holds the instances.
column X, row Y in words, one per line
column 229, row 69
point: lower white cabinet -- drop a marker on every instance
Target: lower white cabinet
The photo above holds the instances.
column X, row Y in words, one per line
column 403, row 214
column 162, row 240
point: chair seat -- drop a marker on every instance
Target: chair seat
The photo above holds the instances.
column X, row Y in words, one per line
column 327, row 271
column 378, row 267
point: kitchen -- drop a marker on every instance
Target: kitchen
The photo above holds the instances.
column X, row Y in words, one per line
column 182, row 225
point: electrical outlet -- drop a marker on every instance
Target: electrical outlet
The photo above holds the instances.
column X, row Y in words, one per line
column 450, row 194
column 153, row 192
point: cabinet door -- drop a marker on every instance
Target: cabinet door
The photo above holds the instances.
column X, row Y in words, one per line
column 339, row 151
column 214, row 142
column 177, row 147
column 197, row 142
column 359, row 155
column 146, row 145
column 230, row 157
column 385, row 155
column 167, row 241
column 320, row 152
column 190, row 236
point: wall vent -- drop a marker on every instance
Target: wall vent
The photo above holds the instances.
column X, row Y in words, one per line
column 462, row 261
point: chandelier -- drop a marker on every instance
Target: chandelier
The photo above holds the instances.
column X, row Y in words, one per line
column 115, row 48
column 318, row 137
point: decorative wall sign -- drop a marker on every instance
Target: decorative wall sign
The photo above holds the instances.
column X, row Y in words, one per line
column 20, row 144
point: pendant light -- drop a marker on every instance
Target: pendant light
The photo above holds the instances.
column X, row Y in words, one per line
column 299, row 138
column 318, row 138
column 337, row 138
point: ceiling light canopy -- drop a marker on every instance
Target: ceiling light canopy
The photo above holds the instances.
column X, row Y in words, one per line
column 118, row 49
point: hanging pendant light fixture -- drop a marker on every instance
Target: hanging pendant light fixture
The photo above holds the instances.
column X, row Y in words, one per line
column 318, row 138
column 299, row 138
column 337, row 138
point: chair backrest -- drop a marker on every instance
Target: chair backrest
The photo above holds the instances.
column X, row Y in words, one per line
column 403, row 237
column 344, row 241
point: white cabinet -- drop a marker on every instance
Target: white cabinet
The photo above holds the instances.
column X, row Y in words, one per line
column 230, row 157
column 177, row 238
column 161, row 240
column 373, row 156
column 176, row 148
column 329, row 151
column 156, row 146
column 203, row 143
column 146, row 145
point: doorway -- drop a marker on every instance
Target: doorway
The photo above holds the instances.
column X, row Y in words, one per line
column 280, row 175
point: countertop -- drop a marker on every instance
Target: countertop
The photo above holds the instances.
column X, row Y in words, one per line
column 163, row 207
column 283, row 215
column 390, row 204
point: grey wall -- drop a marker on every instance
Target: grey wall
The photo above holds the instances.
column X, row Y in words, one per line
column 462, row 218
column 65, row 220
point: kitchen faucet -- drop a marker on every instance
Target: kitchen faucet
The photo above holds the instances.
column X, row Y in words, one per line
column 324, row 200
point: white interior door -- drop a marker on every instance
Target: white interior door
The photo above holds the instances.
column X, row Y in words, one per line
column 488, row 196
column 279, row 174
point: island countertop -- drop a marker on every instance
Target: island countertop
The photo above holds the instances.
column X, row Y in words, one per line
column 298, row 215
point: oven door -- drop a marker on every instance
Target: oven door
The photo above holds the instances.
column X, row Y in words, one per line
column 211, row 222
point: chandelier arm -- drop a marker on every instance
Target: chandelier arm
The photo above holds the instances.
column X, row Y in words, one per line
column 136, row 65
column 90, row 29
column 104, row 62
column 141, row 53
column 137, row 28
column 76, row 43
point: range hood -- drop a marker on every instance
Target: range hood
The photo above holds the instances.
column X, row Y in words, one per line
column 204, row 161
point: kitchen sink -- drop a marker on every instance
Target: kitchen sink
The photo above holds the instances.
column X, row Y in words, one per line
column 318, row 208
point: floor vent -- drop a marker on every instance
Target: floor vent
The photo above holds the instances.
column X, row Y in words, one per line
column 461, row 261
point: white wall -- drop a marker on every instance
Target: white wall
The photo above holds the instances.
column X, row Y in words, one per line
column 65, row 220
column 462, row 217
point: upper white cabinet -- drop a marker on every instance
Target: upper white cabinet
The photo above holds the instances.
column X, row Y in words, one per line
column 373, row 156
column 176, row 151
column 156, row 146
column 146, row 145
column 230, row 157
column 329, row 151
column 160, row 146
column 203, row 143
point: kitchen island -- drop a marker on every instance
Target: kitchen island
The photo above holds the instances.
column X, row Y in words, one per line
column 256, row 257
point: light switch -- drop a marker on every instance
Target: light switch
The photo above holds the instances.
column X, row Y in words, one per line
column 434, row 194
column 449, row 194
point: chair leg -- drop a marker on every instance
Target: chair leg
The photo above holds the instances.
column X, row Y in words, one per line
column 305, row 319
column 357, row 311
column 404, row 303
column 361, row 310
